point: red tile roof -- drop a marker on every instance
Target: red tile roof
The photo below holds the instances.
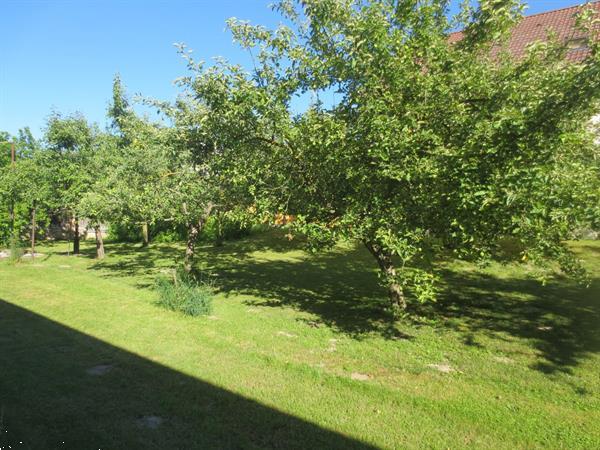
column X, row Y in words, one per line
column 535, row 28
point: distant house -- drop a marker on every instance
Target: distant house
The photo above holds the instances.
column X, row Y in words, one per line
column 536, row 27
column 561, row 22
column 62, row 227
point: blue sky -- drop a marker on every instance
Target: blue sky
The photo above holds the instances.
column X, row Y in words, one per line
column 63, row 54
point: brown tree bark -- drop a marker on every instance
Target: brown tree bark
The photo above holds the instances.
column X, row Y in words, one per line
column 145, row 235
column 194, row 230
column 11, row 213
column 99, row 242
column 76, row 237
column 384, row 260
column 33, row 226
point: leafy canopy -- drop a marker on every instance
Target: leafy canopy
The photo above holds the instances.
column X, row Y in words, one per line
column 427, row 147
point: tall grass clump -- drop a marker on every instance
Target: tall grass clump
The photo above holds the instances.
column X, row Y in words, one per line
column 182, row 292
column 16, row 250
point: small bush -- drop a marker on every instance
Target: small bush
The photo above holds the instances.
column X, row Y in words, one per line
column 222, row 228
column 168, row 236
column 16, row 250
column 122, row 232
column 185, row 294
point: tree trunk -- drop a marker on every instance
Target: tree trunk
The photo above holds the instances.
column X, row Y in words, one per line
column 194, row 230
column 33, row 233
column 145, row 235
column 11, row 213
column 384, row 260
column 76, row 237
column 99, row 243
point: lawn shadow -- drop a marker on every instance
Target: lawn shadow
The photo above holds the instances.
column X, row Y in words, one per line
column 560, row 319
column 341, row 289
column 61, row 388
column 146, row 263
column 338, row 287
column 131, row 260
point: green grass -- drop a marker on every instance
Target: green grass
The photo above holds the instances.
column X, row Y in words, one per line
column 272, row 366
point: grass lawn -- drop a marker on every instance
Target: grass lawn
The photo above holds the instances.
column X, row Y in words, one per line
column 297, row 354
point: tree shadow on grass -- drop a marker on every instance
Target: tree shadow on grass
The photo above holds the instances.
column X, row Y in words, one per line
column 49, row 400
column 146, row 263
column 560, row 320
column 341, row 289
column 131, row 260
column 339, row 286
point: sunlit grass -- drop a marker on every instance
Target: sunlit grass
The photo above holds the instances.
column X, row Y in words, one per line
column 502, row 362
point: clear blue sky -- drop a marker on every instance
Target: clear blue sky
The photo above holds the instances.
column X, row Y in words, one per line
column 63, row 54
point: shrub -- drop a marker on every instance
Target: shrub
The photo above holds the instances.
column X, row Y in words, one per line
column 124, row 232
column 168, row 236
column 184, row 293
column 161, row 232
column 16, row 249
column 220, row 228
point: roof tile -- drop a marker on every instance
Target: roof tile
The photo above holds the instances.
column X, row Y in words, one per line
column 537, row 26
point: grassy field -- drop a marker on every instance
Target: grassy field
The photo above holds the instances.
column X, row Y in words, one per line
column 297, row 354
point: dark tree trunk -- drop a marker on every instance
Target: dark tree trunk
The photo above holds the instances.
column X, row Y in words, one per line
column 194, row 230
column 145, row 235
column 33, row 233
column 384, row 260
column 11, row 213
column 99, row 243
column 76, row 237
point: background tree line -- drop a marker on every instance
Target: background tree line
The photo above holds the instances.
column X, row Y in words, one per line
column 429, row 150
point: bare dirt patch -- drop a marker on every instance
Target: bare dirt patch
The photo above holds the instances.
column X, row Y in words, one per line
column 504, row 359
column 332, row 345
column 151, row 422
column 444, row 368
column 99, row 370
column 360, row 376
column 286, row 334
column 36, row 255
